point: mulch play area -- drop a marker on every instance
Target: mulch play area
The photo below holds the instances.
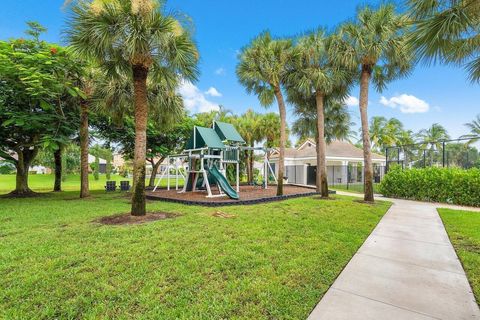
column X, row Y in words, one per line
column 248, row 195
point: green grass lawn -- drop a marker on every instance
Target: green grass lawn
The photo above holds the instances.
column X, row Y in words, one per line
column 463, row 228
column 44, row 182
column 355, row 188
column 270, row 261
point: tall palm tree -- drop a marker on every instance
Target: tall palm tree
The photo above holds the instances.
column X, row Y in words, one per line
column 474, row 127
column 135, row 38
column 316, row 72
column 448, row 30
column 262, row 70
column 376, row 46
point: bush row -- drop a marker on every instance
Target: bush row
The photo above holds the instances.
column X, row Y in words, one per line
column 450, row 185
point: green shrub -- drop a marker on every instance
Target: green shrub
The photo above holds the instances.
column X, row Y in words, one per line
column 451, row 185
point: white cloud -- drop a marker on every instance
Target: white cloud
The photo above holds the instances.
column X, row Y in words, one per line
column 351, row 101
column 213, row 92
column 220, row 72
column 194, row 99
column 407, row 103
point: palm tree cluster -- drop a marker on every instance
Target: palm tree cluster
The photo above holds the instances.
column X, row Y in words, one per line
column 317, row 70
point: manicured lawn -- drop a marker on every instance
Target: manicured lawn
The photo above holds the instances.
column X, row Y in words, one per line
column 44, row 182
column 269, row 261
column 463, row 228
column 356, row 188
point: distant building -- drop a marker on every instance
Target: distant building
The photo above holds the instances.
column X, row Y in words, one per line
column 344, row 163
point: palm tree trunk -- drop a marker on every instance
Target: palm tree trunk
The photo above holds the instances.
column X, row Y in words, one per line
column 322, row 181
column 57, row 156
column 155, row 166
column 140, row 74
column 367, row 152
column 84, row 188
column 283, row 139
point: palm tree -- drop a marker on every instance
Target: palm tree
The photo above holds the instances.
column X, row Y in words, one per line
column 269, row 127
column 448, row 30
column 314, row 72
column 135, row 38
column 249, row 125
column 474, row 127
column 338, row 122
column 262, row 70
column 433, row 137
column 384, row 132
column 376, row 46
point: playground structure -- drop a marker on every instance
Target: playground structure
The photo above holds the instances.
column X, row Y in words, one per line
column 205, row 159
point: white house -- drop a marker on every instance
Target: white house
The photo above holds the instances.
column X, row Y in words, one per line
column 344, row 163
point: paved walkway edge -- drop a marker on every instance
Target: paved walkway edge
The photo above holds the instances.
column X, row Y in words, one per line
column 406, row 269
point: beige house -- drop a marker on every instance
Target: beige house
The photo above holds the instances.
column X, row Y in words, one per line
column 344, row 163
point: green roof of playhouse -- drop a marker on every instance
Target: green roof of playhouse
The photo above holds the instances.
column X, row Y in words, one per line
column 204, row 137
column 227, row 132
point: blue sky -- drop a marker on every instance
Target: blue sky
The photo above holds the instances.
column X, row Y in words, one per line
column 221, row 28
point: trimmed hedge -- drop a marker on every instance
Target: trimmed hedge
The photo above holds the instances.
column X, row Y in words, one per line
column 450, row 185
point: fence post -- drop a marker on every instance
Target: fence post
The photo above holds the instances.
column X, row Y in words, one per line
column 424, row 159
column 443, row 154
column 386, row 158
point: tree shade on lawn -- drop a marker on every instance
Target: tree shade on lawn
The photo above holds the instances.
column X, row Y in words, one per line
column 136, row 39
column 262, row 70
column 57, row 263
column 376, row 45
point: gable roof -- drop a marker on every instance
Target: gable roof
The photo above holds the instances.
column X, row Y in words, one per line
column 335, row 149
column 204, row 137
column 227, row 132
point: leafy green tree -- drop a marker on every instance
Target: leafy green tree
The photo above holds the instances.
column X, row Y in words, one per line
column 376, row 46
column 35, row 78
column 262, row 70
column 448, row 30
column 161, row 142
column 137, row 39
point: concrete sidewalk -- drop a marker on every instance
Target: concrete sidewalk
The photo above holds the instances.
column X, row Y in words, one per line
column 406, row 269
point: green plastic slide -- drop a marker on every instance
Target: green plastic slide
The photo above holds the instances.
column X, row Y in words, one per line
column 222, row 182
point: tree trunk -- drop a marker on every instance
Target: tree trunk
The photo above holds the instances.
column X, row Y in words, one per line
column 57, row 156
column 322, row 181
column 84, row 140
column 140, row 74
column 155, row 167
column 25, row 158
column 283, row 139
column 367, row 152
